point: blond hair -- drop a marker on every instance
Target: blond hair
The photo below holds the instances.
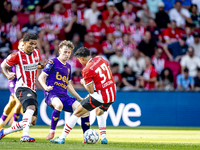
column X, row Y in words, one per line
column 69, row 44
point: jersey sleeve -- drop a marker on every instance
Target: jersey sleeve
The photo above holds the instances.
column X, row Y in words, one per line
column 12, row 59
column 87, row 76
column 39, row 55
column 49, row 67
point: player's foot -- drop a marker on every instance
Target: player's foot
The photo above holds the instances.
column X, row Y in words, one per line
column 1, row 125
column 27, row 139
column 58, row 140
column 50, row 136
column 2, row 133
column 104, row 141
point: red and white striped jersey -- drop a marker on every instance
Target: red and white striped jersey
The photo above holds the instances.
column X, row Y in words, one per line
column 16, row 4
column 108, row 46
column 67, row 3
column 58, row 19
column 98, row 32
column 26, row 68
column 136, row 34
column 97, row 72
column 117, row 30
column 49, row 36
column 127, row 49
column 12, row 32
column 68, row 16
column 130, row 16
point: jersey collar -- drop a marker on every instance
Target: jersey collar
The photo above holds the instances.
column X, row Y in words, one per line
column 88, row 61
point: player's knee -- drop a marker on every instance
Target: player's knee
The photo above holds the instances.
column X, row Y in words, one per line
column 59, row 106
column 32, row 107
column 99, row 112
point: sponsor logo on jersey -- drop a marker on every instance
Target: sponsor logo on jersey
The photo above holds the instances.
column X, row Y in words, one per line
column 30, row 67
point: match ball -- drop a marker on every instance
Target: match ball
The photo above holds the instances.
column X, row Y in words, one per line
column 91, row 136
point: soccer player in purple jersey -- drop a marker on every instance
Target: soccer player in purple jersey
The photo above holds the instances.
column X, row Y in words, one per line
column 13, row 101
column 56, row 81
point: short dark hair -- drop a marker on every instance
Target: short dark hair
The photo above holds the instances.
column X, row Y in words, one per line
column 29, row 36
column 178, row 1
column 82, row 52
column 115, row 65
column 185, row 70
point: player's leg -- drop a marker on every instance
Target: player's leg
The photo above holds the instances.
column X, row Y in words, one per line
column 58, row 106
column 7, row 110
column 101, row 118
column 85, row 120
column 16, row 111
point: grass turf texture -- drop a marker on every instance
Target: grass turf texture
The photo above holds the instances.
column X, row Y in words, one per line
column 120, row 138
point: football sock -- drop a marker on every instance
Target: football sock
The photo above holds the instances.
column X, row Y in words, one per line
column 3, row 118
column 68, row 126
column 15, row 117
column 102, row 125
column 27, row 121
column 85, row 123
column 54, row 119
column 18, row 126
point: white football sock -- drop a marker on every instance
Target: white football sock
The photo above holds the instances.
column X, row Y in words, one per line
column 13, row 123
column 1, row 121
column 52, row 131
column 27, row 118
column 68, row 126
column 102, row 125
column 17, row 127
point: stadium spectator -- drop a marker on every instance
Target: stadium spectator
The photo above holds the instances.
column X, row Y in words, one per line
column 2, row 26
column 129, row 80
column 153, row 5
column 66, row 4
column 127, row 46
column 56, row 16
column 158, row 62
column 119, row 59
column 149, row 78
column 180, row 15
column 172, row 33
column 39, row 15
column 56, row 47
column 137, row 63
column 5, row 46
column 162, row 18
column 46, row 54
column 197, row 80
column 116, row 75
column 166, row 81
column 31, row 27
column 17, row 5
column 127, row 15
column 7, row 13
column 93, row 46
column 189, row 35
column 51, row 29
column 196, row 44
column 154, row 30
column 137, row 4
column 110, row 12
column 15, row 45
column 145, row 15
column 76, row 78
column 136, row 31
column 147, row 45
column 184, row 81
column 119, row 5
column 74, row 27
column 108, row 45
column 197, row 2
column 101, row 4
column 191, row 62
column 69, row 14
column 117, row 27
column 178, row 49
column 99, row 29
column 195, row 15
column 91, row 15
column 12, row 28
column 76, row 41
column 41, row 41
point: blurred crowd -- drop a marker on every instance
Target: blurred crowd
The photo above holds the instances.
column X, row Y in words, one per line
column 150, row 44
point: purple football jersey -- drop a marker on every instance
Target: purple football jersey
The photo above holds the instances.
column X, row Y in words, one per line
column 59, row 75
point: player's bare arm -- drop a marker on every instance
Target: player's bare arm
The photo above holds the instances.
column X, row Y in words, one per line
column 71, row 89
column 42, row 80
column 88, row 87
column 6, row 71
column 41, row 66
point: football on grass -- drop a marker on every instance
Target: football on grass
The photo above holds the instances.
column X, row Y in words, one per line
column 91, row 136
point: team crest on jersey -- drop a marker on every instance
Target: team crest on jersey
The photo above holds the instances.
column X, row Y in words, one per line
column 50, row 61
column 48, row 66
column 92, row 60
column 36, row 58
column 29, row 94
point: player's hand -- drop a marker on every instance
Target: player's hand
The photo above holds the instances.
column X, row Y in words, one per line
column 11, row 76
column 48, row 88
column 82, row 82
column 45, row 62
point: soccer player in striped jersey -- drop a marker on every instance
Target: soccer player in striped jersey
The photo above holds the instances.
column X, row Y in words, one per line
column 13, row 101
column 26, row 61
column 56, row 81
column 98, row 81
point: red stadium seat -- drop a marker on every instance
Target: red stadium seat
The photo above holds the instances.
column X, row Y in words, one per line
column 22, row 18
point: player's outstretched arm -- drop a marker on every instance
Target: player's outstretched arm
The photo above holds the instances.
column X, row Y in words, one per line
column 6, row 71
column 42, row 80
column 41, row 66
column 71, row 89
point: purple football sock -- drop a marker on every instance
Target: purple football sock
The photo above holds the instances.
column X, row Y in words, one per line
column 15, row 116
column 3, row 117
column 54, row 119
column 85, row 123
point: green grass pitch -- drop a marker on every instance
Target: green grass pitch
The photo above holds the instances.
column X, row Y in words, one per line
column 119, row 138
